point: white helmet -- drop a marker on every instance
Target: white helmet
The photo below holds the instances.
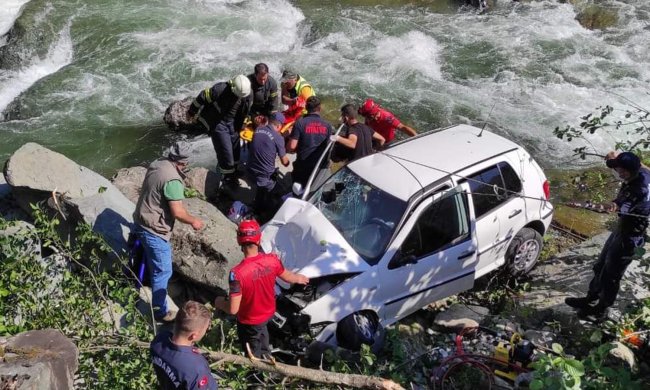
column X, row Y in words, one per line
column 241, row 86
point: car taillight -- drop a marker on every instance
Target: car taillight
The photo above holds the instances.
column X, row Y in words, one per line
column 547, row 189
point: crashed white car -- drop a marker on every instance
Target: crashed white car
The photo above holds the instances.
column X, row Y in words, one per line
column 397, row 230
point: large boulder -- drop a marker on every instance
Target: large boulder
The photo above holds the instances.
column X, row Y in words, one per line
column 35, row 173
column 176, row 117
column 39, row 359
column 204, row 256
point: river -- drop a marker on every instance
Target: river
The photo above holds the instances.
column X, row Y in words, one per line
column 92, row 78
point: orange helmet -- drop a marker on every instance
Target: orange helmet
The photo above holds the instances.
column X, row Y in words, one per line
column 369, row 108
column 249, row 232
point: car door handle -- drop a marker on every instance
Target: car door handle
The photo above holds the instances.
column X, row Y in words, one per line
column 514, row 213
column 467, row 254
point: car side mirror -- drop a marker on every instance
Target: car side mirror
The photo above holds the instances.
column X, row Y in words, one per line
column 402, row 259
column 328, row 196
column 409, row 259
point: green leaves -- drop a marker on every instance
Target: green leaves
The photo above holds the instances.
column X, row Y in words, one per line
column 557, row 348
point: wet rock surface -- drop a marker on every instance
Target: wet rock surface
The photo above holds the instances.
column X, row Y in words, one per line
column 39, row 359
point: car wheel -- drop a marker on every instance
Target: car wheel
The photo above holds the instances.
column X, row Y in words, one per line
column 523, row 251
column 359, row 328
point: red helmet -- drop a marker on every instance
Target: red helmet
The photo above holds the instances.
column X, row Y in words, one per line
column 248, row 232
column 368, row 108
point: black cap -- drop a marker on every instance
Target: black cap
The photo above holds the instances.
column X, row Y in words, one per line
column 626, row 160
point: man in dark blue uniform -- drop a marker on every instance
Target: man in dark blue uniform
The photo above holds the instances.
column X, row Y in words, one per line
column 633, row 207
column 267, row 144
column 309, row 138
column 178, row 364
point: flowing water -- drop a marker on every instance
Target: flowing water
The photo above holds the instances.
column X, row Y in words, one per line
column 92, row 78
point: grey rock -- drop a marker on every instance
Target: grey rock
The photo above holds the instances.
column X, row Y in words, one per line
column 623, row 354
column 206, row 256
column 35, row 172
column 115, row 315
column 206, row 182
column 31, row 244
column 144, row 304
column 459, row 316
column 55, row 266
column 540, row 338
column 175, row 117
column 40, row 169
column 47, row 360
column 129, row 182
column 109, row 213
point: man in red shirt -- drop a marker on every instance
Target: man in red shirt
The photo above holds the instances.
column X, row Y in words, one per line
column 252, row 289
column 383, row 121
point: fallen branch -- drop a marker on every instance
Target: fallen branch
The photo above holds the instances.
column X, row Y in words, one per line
column 308, row 374
column 320, row 376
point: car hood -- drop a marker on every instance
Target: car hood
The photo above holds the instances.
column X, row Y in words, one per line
column 308, row 243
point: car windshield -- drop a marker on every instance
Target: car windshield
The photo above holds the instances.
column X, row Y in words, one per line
column 364, row 215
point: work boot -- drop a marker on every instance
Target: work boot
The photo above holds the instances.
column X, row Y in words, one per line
column 579, row 303
column 592, row 313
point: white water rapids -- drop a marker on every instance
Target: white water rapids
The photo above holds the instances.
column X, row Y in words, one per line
column 97, row 88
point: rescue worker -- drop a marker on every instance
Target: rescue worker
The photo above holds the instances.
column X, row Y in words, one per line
column 358, row 138
column 383, row 121
column 177, row 362
column 632, row 204
column 222, row 109
column 295, row 92
column 265, row 92
column 252, row 289
column 308, row 140
column 267, row 144
column 160, row 204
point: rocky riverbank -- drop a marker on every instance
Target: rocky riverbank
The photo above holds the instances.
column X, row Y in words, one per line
column 533, row 307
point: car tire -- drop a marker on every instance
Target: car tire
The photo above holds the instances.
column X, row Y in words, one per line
column 359, row 328
column 523, row 251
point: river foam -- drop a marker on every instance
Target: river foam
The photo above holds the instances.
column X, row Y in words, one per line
column 9, row 12
column 14, row 82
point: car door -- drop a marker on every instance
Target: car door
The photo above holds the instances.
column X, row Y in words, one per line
column 499, row 211
column 433, row 256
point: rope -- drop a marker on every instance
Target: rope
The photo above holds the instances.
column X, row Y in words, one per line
column 494, row 186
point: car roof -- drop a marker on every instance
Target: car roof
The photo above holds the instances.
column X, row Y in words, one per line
column 405, row 168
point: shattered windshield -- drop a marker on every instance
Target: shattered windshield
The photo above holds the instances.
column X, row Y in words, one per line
column 365, row 215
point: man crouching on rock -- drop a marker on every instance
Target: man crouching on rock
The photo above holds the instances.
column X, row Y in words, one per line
column 159, row 206
column 633, row 207
column 252, row 290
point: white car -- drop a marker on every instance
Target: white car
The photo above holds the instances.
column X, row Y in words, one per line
column 397, row 230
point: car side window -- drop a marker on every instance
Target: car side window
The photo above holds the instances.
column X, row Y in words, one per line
column 444, row 223
column 510, row 178
column 487, row 190
column 493, row 186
